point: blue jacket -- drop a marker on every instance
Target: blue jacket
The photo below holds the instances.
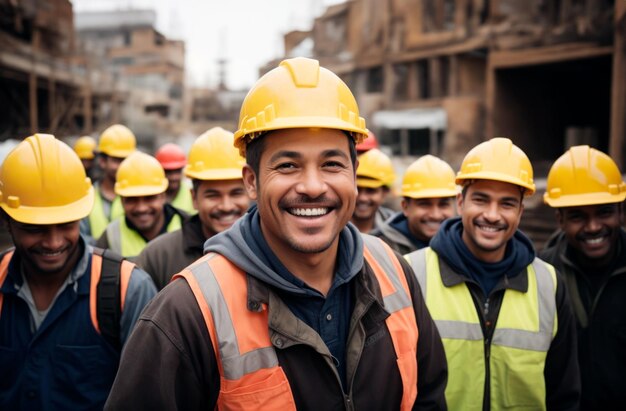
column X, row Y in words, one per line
column 65, row 364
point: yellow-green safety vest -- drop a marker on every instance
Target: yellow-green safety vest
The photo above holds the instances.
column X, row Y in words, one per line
column 516, row 355
column 98, row 219
column 128, row 242
column 183, row 200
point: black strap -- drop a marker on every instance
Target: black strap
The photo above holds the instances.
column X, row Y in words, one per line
column 109, row 310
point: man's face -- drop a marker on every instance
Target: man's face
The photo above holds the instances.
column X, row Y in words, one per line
column 368, row 201
column 173, row 177
column 47, row 249
column 145, row 212
column 592, row 230
column 109, row 166
column 425, row 215
column 305, row 189
column 491, row 212
column 219, row 203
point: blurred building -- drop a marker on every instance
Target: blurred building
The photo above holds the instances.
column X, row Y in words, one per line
column 439, row 76
column 148, row 67
column 44, row 85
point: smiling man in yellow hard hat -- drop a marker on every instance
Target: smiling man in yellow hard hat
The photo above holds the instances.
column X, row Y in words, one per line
column 504, row 316
column 587, row 191
column 291, row 307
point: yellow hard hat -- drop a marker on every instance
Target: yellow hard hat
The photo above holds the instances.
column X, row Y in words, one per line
column 375, row 170
column 42, row 181
column 298, row 94
column 213, row 157
column 429, row 177
column 498, row 159
column 117, row 141
column 584, row 176
column 85, row 147
column 139, row 175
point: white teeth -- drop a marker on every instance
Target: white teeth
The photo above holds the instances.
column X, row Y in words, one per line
column 51, row 254
column 309, row 212
column 489, row 228
column 594, row 241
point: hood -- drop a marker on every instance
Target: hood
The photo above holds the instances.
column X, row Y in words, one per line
column 244, row 245
column 449, row 245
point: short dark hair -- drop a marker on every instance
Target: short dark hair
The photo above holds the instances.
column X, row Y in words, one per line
column 254, row 149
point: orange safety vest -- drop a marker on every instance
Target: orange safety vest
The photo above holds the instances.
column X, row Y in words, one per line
column 251, row 376
column 96, row 270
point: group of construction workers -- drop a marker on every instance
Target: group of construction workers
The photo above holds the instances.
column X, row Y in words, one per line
column 263, row 270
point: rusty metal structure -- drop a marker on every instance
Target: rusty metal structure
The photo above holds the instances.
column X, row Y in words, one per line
column 45, row 84
column 439, row 76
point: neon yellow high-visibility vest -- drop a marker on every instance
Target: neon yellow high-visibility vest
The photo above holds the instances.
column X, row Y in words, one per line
column 183, row 200
column 516, row 355
column 98, row 219
column 128, row 242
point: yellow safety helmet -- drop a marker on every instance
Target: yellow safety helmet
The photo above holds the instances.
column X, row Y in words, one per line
column 117, row 141
column 140, row 175
column 213, row 157
column 375, row 170
column 429, row 177
column 298, row 94
column 85, row 147
column 498, row 159
column 42, row 181
column 584, row 176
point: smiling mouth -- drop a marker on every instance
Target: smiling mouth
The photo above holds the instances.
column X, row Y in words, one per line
column 309, row 212
column 488, row 228
column 51, row 253
column 594, row 241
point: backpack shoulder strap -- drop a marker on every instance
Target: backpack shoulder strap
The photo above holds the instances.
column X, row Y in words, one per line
column 112, row 284
column 5, row 258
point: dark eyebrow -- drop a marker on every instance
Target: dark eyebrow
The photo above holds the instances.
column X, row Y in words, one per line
column 486, row 196
column 335, row 153
column 285, row 153
column 296, row 155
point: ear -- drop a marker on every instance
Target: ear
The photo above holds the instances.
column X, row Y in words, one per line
column 250, row 181
column 459, row 202
column 559, row 216
column 356, row 166
column 194, row 200
column 404, row 204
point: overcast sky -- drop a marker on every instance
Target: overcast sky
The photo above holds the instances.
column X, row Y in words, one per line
column 246, row 33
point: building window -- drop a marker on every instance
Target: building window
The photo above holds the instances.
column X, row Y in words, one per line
column 423, row 79
column 375, row 79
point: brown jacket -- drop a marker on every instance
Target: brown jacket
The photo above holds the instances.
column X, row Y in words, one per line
column 169, row 362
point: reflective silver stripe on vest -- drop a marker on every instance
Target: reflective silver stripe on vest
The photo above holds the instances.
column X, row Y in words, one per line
column 235, row 364
column 540, row 340
column 458, row 330
column 528, row 340
column 114, row 236
column 399, row 299
column 417, row 260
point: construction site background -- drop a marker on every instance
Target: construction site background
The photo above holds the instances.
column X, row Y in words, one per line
column 430, row 76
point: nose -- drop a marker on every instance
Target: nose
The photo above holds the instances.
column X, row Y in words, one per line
column 593, row 225
column 227, row 204
column 53, row 239
column 437, row 213
column 141, row 205
column 311, row 183
column 491, row 212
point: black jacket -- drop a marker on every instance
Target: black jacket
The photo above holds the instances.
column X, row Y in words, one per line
column 601, row 325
